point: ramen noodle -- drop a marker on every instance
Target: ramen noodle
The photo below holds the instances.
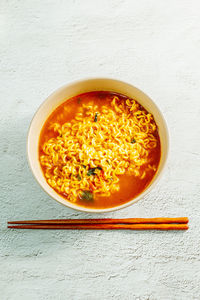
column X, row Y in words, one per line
column 99, row 149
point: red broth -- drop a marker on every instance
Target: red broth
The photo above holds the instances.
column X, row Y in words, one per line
column 130, row 185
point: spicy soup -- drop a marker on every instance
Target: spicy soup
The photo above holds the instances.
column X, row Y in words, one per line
column 99, row 149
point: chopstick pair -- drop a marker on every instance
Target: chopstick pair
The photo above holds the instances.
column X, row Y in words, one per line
column 105, row 224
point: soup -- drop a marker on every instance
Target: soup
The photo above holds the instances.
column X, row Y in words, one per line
column 99, row 149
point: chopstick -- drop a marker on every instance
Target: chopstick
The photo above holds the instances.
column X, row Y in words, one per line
column 107, row 226
column 106, row 221
column 104, row 224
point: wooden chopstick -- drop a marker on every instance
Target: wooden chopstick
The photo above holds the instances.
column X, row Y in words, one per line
column 183, row 220
column 104, row 224
column 183, row 226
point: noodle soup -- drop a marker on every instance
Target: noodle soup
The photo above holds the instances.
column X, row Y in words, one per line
column 99, row 149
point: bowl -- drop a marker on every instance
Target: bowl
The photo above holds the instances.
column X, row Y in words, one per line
column 76, row 88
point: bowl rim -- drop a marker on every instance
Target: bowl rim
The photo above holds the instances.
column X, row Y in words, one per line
column 71, row 205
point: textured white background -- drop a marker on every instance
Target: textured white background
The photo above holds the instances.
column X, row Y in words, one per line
column 156, row 46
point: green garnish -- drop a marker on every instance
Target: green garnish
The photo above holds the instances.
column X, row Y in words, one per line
column 86, row 195
column 95, row 118
column 84, row 166
column 133, row 141
column 79, row 177
column 78, row 100
column 91, row 171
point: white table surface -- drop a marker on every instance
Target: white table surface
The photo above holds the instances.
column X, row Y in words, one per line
column 156, row 46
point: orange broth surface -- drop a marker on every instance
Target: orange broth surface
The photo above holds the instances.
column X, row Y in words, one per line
column 130, row 185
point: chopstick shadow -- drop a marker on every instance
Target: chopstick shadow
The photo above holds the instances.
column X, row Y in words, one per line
column 30, row 243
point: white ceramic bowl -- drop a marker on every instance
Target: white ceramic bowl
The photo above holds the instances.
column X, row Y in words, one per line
column 76, row 88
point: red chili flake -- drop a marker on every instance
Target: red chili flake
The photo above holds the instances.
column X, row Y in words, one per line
column 92, row 186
